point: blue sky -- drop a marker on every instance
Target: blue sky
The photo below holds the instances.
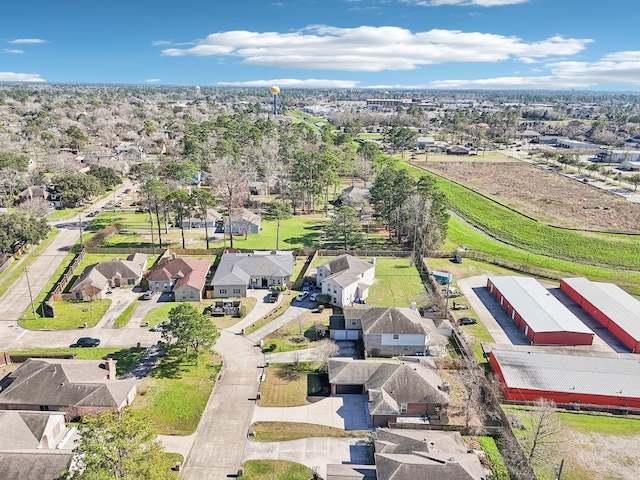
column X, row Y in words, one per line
column 467, row 44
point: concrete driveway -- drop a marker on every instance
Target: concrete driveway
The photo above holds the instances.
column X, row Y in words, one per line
column 347, row 412
column 312, row 452
column 121, row 298
column 263, row 307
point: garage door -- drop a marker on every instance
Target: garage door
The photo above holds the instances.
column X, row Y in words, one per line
column 352, row 334
column 348, row 389
column 340, row 334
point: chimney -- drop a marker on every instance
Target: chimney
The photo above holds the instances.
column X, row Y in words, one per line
column 173, row 256
column 111, row 369
column 373, row 260
column 413, row 306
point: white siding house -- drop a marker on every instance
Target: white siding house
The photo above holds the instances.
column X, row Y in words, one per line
column 346, row 279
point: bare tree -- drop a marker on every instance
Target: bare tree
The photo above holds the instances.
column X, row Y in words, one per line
column 232, row 187
column 474, row 380
column 38, row 207
column 326, row 349
column 541, row 440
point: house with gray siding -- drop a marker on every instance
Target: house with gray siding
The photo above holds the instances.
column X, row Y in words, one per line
column 238, row 272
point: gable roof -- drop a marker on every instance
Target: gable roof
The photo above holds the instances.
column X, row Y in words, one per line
column 75, row 383
column 238, row 268
column 346, row 269
column 245, row 216
column 411, row 454
column 20, row 430
column 186, row 271
column 34, row 191
column 95, row 277
column 390, row 383
column 392, row 320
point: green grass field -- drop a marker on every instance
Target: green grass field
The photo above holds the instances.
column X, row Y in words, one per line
column 70, row 315
column 618, row 251
column 397, row 284
column 285, row 384
column 285, row 431
column 175, row 393
column 272, row 469
column 288, row 338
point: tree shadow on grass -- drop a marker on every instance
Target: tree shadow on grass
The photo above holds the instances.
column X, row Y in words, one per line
column 126, row 358
column 170, row 365
column 308, row 239
column 290, row 372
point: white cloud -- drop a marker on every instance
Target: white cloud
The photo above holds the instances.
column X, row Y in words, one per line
column 160, row 42
column 28, row 40
column 12, row 50
column 620, row 68
column 464, row 3
column 294, row 83
column 152, row 80
column 20, row 77
column 373, row 49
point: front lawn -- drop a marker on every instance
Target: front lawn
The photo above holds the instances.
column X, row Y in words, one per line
column 125, row 358
column 125, row 316
column 285, row 431
column 272, row 469
column 288, row 337
column 175, row 393
column 286, row 384
column 227, row 321
column 69, row 315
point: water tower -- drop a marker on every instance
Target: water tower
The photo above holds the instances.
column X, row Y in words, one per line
column 275, row 91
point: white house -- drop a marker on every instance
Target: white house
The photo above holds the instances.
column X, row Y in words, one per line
column 346, row 279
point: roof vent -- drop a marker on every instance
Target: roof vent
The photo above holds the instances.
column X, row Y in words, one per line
column 451, row 459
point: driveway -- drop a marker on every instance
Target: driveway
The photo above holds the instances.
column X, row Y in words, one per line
column 222, row 433
column 262, row 308
column 293, row 312
column 313, row 452
column 346, row 412
column 121, row 298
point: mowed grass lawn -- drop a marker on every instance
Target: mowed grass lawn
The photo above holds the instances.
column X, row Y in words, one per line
column 125, row 358
column 127, row 220
column 69, row 315
column 272, row 469
column 285, row 384
column 295, row 232
column 288, row 337
column 285, row 431
column 175, row 393
column 397, row 283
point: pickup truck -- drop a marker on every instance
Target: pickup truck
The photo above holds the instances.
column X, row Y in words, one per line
column 274, row 296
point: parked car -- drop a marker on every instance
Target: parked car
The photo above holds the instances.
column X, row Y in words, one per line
column 302, row 296
column 160, row 327
column 313, row 296
column 88, row 342
column 456, row 259
column 148, row 295
column 274, row 296
column 468, row 321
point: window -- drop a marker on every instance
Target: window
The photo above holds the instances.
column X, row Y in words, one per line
column 190, row 294
column 353, row 322
column 44, row 408
column 396, row 336
column 402, row 407
column 223, row 290
column 236, row 291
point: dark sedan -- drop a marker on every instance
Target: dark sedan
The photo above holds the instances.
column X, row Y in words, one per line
column 88, row 342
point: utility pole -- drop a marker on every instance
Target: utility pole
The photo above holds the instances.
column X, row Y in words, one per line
column 80, row 226
column 33, row 307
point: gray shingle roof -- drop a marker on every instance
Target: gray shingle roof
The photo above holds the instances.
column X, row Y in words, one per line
column 78, row 383
column 390, row 383
column 34, row 465
column 238, row 268
column 615, row 303
column 614, row 376
column 97, row 276
column 392, row 320
column 346, row 269
column 22, row 430
column 540, row 310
